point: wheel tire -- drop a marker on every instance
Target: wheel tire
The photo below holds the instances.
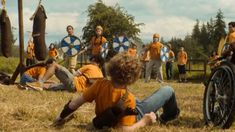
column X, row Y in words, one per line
column 223, row 95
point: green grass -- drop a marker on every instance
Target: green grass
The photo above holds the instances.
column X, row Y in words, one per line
column 28, row 111
column 8, row 65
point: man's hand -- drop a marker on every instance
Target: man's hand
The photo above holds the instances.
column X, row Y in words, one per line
column 149, row 118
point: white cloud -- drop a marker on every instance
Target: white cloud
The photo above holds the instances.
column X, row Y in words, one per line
column 168, row 27
column 57, row 22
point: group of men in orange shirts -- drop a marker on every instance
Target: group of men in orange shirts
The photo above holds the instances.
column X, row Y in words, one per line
column 150, row 57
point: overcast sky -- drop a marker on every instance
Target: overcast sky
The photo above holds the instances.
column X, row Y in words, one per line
column 169, row 18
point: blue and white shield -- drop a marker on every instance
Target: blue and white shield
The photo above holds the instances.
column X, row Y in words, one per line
column 164, row 54
column 120, row 44
column 70, row 45
column 104, row 50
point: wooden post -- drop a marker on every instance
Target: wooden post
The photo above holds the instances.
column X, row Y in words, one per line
column 21, row 32
column 20, row 67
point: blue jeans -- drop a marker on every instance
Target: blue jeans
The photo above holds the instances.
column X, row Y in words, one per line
column 163, row 97
column 169, row 73
column 26, row 78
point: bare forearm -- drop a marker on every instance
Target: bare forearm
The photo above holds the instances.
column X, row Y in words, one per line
column 134, row 127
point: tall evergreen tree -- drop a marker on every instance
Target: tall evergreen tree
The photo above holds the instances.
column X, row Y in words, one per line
column 219, row 27
column 196, row 31
column 204, row 38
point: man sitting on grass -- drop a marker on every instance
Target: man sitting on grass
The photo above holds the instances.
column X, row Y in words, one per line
column 115, row 106
column 35, row 73
column 79, row 81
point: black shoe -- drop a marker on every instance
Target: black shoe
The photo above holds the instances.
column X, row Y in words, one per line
column 164, row 119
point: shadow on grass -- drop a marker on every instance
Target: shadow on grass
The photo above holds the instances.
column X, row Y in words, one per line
column 188, row 122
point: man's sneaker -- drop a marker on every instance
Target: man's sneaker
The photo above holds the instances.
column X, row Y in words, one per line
column 164, row 120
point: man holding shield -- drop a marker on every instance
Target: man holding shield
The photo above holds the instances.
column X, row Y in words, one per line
column 154, row 50
column 96, row 45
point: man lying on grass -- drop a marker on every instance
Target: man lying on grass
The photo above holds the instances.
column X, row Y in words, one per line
column 79, row 81
column 115, row 106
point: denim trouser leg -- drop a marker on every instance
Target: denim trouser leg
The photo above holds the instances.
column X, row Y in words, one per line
column 26, row 78
column 65, row 77
column 169, row 72
column 163, row 97
column 57, row 87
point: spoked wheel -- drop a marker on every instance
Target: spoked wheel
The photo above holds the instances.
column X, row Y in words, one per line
column 219, row 98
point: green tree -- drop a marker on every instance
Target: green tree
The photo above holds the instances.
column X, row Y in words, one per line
column 204, row 38
column 219, row 27
column 114, row 20
column 196, row 31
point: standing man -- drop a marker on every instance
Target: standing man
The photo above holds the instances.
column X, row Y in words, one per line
column 70, row 62
column 182, row 60
column 30, row 59
column 144, row 58
column 169, row 63
column 96, row 45
column 154, row 50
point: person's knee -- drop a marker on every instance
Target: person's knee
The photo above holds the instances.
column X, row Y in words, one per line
column 167, row 90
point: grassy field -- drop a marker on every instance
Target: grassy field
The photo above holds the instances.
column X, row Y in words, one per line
column 29, row 111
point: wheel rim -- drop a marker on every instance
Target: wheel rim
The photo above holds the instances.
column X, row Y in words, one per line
column 219, row 97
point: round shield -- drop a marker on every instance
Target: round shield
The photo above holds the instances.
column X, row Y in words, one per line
column 164, row 54
column 120, row 44
column 71, row 45
column 104, row 50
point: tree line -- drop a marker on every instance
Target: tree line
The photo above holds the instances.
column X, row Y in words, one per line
column 115, row 20
column 204, row 38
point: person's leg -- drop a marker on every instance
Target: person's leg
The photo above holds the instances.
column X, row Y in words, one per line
column 159, row 70
column 49, row 72
column 171, row 71
column 72, row 64
column 149, row 70
column 27, row 62
column 26, row 78
column 56, row 87
column 163, row 97
column 184, row 72
column 180, row 73
column 167, row 71
column 66, row 77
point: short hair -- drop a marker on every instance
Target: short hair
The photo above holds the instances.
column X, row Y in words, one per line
column 69, row 26
column 49, row 61
column 232, row 24
column 124, row 69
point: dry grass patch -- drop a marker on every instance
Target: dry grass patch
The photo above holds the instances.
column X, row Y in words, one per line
column 34, row 111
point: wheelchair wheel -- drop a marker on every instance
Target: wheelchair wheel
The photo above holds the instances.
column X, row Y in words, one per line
column 219, row 97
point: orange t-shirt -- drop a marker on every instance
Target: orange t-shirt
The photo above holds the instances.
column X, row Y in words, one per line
column 36, row 72
column 182, row 58
column 105, row 96
column 52, row 53
column 132, row 52
column 171, row 56
column 96, row 44
column 154, row 50
column 91, row 71
column 231, row 38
